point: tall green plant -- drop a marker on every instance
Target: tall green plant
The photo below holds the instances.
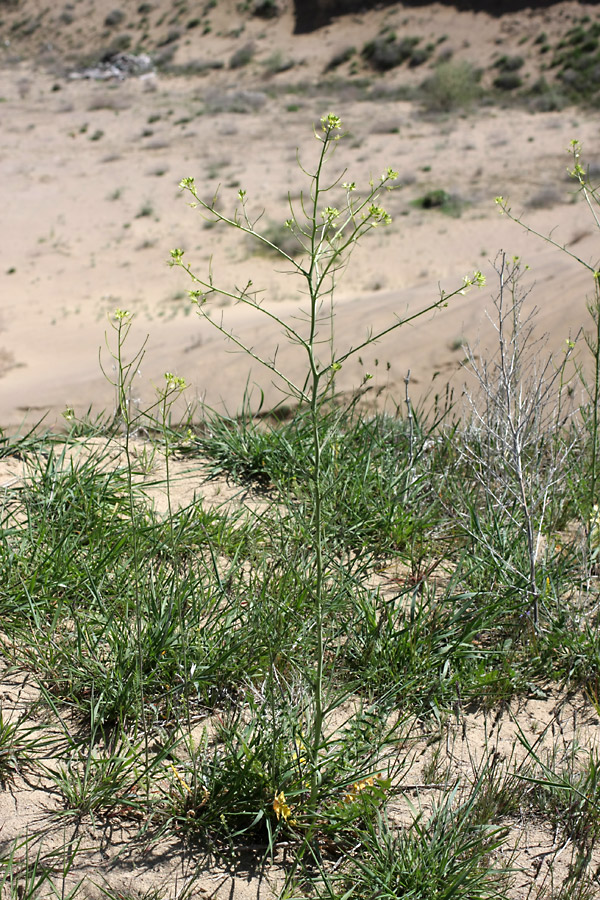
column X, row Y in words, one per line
column 127, row 418
column 327, row 235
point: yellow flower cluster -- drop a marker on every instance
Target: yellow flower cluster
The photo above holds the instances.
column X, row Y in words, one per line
column 282, row 809
column 358, row 787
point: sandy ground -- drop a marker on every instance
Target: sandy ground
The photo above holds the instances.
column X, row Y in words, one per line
column 136, row 859
column 112, row 853
column 91, row 207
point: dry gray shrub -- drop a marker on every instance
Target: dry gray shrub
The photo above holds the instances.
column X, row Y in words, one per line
column 516, row 438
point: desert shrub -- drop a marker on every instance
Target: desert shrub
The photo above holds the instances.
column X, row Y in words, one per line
column 419, row 57
column 171, row 36
column 235, row 101
column 164, row 57
column 515, row 437
column 450, row 204
column 550, row 102
column 242, row 56
column 339, row 58
column 445, row 55
column 577, row 61
column 509, row 63
column 266, row 9
column 386, row 52
column 545, row 97
column 106, row 101
column 194, row 66
column 145, row 210
column 581, row 77
column 433, row 199
column 121, row 44
column 508, row 81
column 277, row 62
column 114, row 18
column 453, row 85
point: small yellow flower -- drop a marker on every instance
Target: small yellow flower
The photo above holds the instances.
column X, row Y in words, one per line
column 175, row 381
column 355, row 789
column 330, row 122
column 376, row 782
column 180, row 779
column 281, row 808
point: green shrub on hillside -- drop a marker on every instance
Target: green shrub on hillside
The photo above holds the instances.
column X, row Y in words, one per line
column 577, row 61
column 453, row 85
column 242, row 56
column 386, row 52
column 508, row 81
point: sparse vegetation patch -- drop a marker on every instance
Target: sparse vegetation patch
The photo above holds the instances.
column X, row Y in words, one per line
column 387, row 51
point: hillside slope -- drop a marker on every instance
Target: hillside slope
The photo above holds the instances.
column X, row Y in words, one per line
column 90, row 162
column 556, row 43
